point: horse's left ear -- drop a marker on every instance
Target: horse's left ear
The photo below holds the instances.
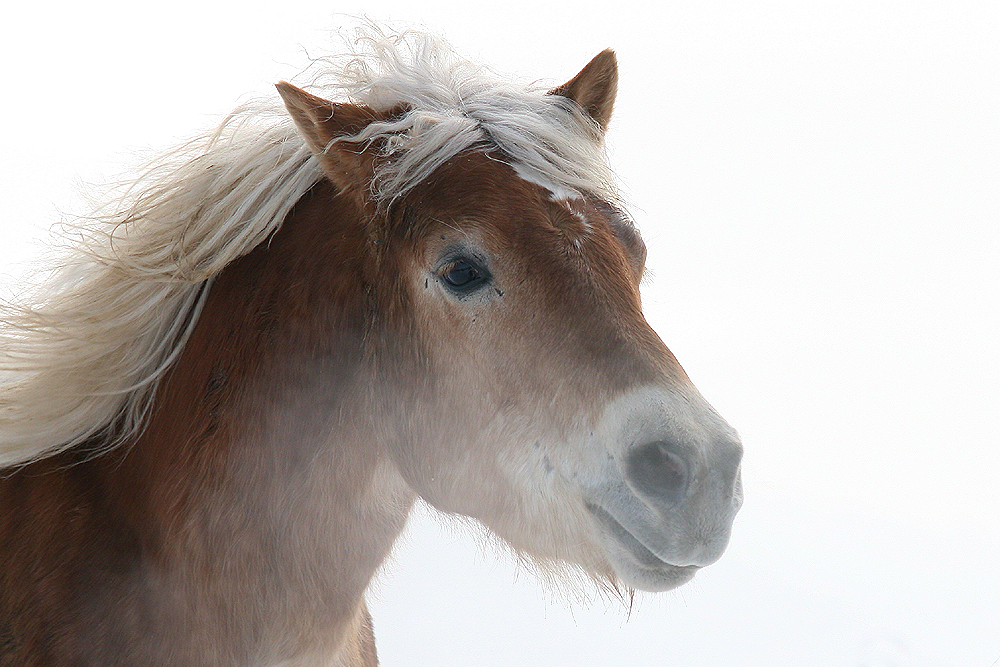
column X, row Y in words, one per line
column 321, row 123
column 595, row 87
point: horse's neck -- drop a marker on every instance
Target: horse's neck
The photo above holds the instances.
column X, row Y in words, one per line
column 259, row 467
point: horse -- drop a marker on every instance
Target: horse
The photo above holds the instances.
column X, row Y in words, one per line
column 217, row 415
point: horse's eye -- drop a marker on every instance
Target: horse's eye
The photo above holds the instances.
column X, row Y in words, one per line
column 463, row 276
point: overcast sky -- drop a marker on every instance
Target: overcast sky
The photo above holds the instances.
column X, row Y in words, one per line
column 817, row 183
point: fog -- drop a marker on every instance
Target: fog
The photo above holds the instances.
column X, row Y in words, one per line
column 817, row 184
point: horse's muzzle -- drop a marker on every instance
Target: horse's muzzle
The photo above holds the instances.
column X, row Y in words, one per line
column 668, row 501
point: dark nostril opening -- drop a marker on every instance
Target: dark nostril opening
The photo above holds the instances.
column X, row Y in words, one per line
column 658, row 470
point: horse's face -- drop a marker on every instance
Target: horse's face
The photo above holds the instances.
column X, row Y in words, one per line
column 536, row 397
column 517, row 380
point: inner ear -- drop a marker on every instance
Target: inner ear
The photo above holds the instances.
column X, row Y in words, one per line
column 594, row 88
column 321, row 123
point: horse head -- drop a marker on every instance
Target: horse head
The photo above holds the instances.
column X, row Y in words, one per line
column 517, row 380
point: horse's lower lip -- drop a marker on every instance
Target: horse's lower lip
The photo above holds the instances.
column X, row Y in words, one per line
column 640, row 552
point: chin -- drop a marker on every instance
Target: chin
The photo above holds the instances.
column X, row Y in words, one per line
column 654, row 579
column 634, row 564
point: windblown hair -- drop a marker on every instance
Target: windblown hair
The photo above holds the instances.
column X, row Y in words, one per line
column 80, row 358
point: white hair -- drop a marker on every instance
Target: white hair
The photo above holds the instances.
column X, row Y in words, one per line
column 81, row 356
column 454, row 104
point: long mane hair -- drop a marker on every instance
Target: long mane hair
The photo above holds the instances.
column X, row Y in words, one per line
column 81, row 355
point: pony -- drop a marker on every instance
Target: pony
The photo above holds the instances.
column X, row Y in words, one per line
column 216, row 416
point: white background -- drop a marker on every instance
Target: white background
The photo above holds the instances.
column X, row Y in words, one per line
column 818, row 186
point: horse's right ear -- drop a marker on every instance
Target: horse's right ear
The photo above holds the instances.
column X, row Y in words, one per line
column 321, row 123
column 594, row 88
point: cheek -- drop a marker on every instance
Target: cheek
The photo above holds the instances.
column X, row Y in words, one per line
column 464, row 424
column 451, row 455
column 512, row 473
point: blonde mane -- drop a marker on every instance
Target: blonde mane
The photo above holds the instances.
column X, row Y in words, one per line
column 80, row 357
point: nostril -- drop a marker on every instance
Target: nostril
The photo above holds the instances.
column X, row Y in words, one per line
column 658, row 470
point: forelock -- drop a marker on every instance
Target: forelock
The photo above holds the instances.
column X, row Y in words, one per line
column 450, row 104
